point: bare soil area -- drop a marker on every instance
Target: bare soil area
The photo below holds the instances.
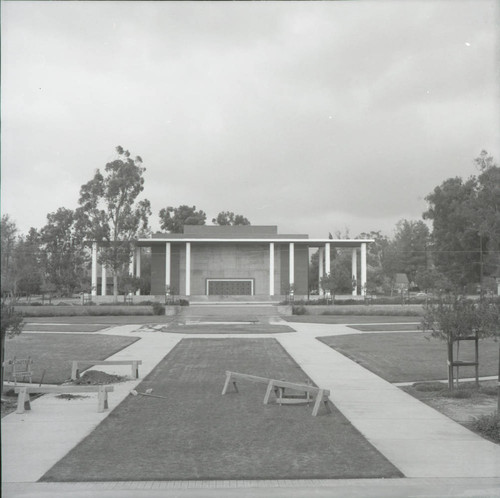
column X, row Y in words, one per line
column 464, row 410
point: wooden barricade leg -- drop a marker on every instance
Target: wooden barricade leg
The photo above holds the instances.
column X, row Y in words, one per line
column 269, row 390
column 102, row 399
column 317, row 403
column 74, row 370
column 226, row 383
column 327, row 406
column 135, row 370
column 23, row 401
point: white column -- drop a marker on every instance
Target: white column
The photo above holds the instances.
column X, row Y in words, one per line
column 363, row 268
column 321, row 262
column 93, row 284
column 354, row 271
column 271, row 268
column 188, row 268
column 138, row 267
column 292, row 264
column 167, row 265
column 327, row 258
column 103, row 280
column 131, row 264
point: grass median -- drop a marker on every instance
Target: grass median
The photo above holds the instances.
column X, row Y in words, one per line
column 52, row 353
column 196, row 433
column 411, row 356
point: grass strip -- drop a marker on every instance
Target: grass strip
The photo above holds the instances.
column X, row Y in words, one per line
column 52, row 353
column 199, row 434
column 411, row 356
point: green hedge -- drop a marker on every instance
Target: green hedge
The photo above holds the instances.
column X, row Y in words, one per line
column 103, row 310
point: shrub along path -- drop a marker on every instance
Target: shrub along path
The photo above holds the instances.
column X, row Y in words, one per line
column 198, row 434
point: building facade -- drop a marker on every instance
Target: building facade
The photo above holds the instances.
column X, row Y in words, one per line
column 245, row 260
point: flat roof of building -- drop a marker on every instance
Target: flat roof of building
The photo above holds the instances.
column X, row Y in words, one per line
column 243, row 234
column 267, row 240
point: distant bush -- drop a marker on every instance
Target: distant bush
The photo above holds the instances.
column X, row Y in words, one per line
column 299, row 310
column 183, row 302
column 158, row 309
column 488, row 426
column 102, row 310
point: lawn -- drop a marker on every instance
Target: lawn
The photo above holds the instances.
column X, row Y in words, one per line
column 63, row 327
column 411, row 356
column 199, row 434
column 255, row 328
column 52, row 352
column 341, row 319
column 100, row 320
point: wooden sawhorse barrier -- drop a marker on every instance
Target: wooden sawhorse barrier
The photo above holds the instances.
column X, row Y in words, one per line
column 23, row 398
column 75, row 371
column 279, row 386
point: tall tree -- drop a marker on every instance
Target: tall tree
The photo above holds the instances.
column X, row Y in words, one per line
column 64, row 255
column 455, row 238
column 485, row 213
column 229, row 218
column 408, row 251
column 466, row 224
column 27, row 264
column 173, row 219
column 110, row 213
column 8, row 231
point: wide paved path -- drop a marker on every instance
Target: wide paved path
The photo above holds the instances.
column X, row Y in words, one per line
column 432, row 451
column 417, row 439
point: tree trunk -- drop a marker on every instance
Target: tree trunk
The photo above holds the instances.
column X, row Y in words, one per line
column 115, row 288
column 3, row 362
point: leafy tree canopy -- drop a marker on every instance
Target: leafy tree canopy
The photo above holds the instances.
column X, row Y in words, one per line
column 466, row 223
column 63, row 254
column 110, row 212
column 229, row 218
column 173, row 219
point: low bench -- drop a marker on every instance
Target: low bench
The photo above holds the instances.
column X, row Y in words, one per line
column 279, row 387
column 23, row 398
column 75, row 371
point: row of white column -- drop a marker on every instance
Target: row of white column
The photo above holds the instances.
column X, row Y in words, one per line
column 324, row 267
column 136, row 260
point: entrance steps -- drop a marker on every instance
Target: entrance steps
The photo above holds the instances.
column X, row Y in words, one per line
column 234, row 299
column 226, row 312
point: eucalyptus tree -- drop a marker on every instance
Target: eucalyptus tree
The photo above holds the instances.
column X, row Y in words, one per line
column 111, row 214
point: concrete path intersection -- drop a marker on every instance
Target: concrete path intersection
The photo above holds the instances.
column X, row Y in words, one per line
column 438, row 457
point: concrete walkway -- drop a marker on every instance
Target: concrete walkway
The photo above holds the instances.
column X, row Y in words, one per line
column 429, row 448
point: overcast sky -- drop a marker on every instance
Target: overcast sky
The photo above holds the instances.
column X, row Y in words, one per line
column 313, row 116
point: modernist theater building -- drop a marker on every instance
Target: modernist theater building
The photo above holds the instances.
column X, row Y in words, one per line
column 248, row 260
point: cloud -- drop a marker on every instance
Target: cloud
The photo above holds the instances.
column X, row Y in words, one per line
column 305, row 114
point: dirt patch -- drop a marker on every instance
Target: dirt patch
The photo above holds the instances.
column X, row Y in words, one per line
column 465, row 405
column 96, row 377
column 71, row 396
column 9, row 401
